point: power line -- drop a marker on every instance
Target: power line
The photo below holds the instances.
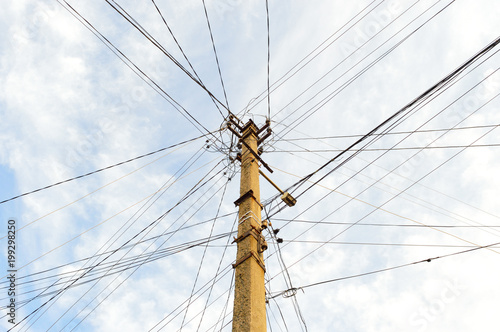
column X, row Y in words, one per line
column 402, row 112
column 380, row 206
column 268, row 60
column 117, row 266
column 35, row 274
column 399, row 175
column 149, row 37
column 384, row 244
column 344, row 85
column 218, row 269
column 215, row 53
column 413, row 200
column 394, row 149
column 139, row 72
column 204, row 253
column 427, row 260
column 199, row 292
column 148, row 228
column 387, row 224
column 387, row 133
column 284, row 78
column 352, row 79
column 184, row 168
column 199, row 184
column 183, row 53
column 104, row 168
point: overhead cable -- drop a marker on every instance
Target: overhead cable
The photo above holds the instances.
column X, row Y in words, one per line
column 183, row 53
column 149, row 37
column 427, row 260
column 436, row 87
column 104, row 168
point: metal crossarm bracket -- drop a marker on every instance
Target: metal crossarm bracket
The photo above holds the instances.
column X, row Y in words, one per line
column 252, row 232
column 285, row 196
column 247, row 256
column 268, row 123
column 232, row 130
column 257, row 157
column 263, row 138
column 245, row 196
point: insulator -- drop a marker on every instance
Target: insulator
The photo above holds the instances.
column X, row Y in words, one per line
column 263, row 247
column 264, row 224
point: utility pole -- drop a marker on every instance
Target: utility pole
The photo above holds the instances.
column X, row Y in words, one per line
column 249, row 313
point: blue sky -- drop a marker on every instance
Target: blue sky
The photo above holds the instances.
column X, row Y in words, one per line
column 69, row 106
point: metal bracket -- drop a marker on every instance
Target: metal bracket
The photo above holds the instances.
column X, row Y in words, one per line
column 245, row 196
column 247, row 256
column 263, row 138
column 265, row 126
column 252, row 231
column 255, row 154
column 285, row 196
column 232, row 130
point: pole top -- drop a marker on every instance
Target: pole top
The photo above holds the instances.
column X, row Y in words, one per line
column 250, row 125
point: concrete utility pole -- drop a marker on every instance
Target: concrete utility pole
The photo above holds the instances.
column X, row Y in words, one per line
column 249, row 312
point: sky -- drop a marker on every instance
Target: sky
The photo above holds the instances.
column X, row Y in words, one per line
column 388, row 237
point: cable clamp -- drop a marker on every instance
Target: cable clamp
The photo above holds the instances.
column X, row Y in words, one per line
column 290, row 292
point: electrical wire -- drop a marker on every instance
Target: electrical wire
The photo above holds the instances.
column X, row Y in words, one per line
column 215, row 53
column 200, row 292
column 105, row 168
column 287, row 278
column 284, row 78
column 217, row 271
column 388, row 133
column 20, row 283
column 403, row 178
column 93, row 227
column 150, row 38
column 117, row 266
column 358, row 222
column 413, row 182
column 462, row 219
column 392, row 148
column 386, row 224
column 140, row 73
column 197, row 186
column 268, row 61
column 291, row 289
column 435, row 88
column 343, row 162
column 90, row 193
column 344, row 85
column 148, row 227
column 138, row 214
column 411, row 185
column 203, row 256
column 427, row 260
column 384, row 244
column 183, row 53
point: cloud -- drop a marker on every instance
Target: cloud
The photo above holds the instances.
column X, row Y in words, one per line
column 70, row 106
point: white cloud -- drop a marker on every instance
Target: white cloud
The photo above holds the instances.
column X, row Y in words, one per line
column 69, row 106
